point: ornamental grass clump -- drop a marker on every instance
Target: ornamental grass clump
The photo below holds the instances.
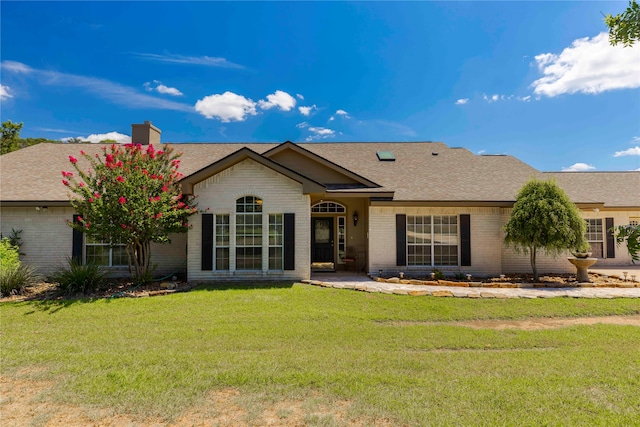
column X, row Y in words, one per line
column 77, row 278
column 129, row 195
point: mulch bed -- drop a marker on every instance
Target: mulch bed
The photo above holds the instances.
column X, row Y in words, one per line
column 117, row 289
column 122, row 289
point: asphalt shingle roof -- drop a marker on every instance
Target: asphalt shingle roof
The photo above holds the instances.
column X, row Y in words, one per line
column 422, row 171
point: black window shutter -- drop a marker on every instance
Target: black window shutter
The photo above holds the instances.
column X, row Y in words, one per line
column 611, row 241
column 289, row 241
column 465, row 240
column 207, row 242
column 401, row 239
column 76, row 242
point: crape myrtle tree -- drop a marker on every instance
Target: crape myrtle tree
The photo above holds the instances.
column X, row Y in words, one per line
column 544, row 219
column 129, row 196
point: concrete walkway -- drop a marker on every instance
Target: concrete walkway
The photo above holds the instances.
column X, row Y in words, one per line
column 364, row 283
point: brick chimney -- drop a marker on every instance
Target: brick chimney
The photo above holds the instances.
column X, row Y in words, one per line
column 145, row 133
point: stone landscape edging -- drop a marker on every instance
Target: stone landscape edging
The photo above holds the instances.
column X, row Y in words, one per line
column 528, row 291
column 397, row 280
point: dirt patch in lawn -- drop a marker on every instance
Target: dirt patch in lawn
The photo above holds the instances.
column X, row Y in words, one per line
column 550, row 323
column 28, row 402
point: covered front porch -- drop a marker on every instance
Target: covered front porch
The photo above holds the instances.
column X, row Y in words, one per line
column 339, row 234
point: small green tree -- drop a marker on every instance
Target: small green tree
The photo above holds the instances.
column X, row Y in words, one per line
column 624, row 27
column 629, row 234
column 544, row 218
column 129, row 196
column 10, row 139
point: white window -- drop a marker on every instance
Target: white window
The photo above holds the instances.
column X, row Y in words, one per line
column 595, row 236
column 100, row 253
column 276, row 242
column 249, row 233
column 222, row 242
column 342, row 239
column 432, row 240
column 328, row 207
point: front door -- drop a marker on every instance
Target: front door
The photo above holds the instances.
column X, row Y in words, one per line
column 322, row 246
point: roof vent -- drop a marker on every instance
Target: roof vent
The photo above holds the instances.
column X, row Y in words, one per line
column 434, row 154
column 386, row 156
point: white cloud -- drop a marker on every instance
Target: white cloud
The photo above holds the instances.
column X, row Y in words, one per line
column 324, row 132
column 97, row 137
column 16, row 67
column 462, row 101
column 54, row 130
column 111, row 91
column 191, row 60
column 588, row 66
column 160, row 88
column 579, row 167
column 280, row 99
column 226, row 107
column 305, row 111
column 497, row 97
column 320, row 133
column 492, row 98
column 635, row 151
column 5, row 92
column 302, row 125
column 299, row 96
column 635, row 140
column 168, row 90
column 340, row 113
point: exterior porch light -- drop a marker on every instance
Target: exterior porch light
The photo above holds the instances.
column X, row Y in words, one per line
column 355, row 218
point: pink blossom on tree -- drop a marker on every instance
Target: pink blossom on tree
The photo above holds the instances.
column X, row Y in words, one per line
column 130, row 196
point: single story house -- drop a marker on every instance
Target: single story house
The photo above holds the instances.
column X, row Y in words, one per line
column 281, row 211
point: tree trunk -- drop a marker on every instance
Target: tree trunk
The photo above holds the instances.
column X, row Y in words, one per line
column 532, row 258
column 139, row 257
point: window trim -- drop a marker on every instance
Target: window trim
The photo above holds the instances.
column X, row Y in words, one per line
column 279, row 222
column 256, row 212
column 410, row 221
column 216, row 246
column 87, row 244
column 601, row 234
column 329, row 208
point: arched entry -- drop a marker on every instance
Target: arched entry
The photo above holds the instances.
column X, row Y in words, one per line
column 328, row 235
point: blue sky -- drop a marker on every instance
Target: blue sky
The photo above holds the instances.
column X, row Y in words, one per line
column 536, row 80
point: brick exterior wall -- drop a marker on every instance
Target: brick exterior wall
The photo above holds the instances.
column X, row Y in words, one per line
column 218, row 194
column 47, row 240
column 515, row 262
column 46, row 237
column 485, row 239
column 488, row 254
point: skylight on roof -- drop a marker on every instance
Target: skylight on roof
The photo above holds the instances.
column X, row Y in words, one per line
column 386, row 156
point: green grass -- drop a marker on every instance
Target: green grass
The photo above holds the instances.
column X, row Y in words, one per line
column 159, row 356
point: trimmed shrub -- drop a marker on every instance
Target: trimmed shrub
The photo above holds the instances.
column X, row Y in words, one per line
column 9, row 255
column 76, row 278
column 14, row 275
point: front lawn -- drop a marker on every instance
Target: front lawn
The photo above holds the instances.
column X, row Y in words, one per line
column 393, row 358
